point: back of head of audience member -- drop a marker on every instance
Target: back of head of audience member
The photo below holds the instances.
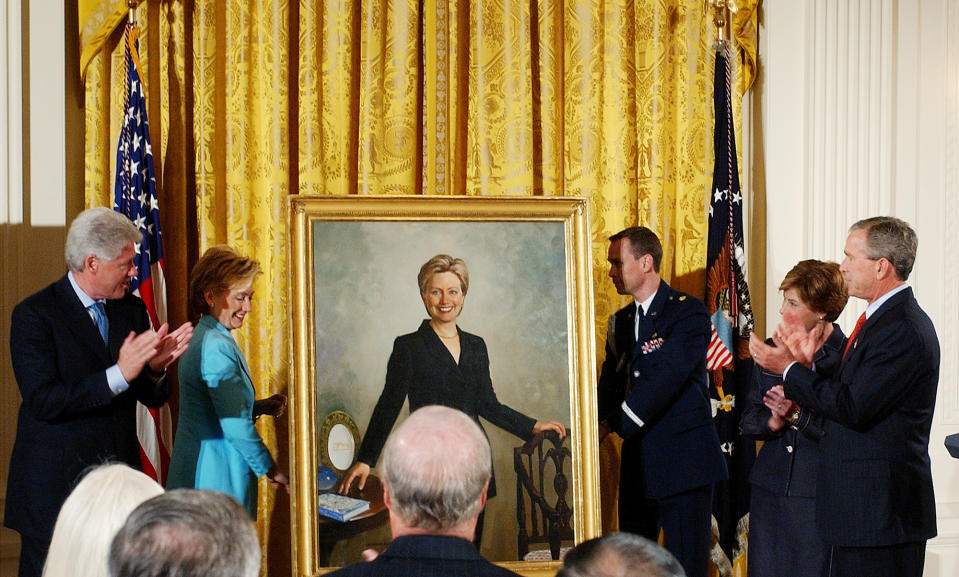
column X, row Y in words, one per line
column 91, row 516
column 186, row 533
column 436, row 468
column 620, row 555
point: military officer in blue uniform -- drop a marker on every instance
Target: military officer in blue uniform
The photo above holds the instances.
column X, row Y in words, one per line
column 653, row 393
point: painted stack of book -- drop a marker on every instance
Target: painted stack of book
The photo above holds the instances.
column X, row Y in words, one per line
column 341, row 507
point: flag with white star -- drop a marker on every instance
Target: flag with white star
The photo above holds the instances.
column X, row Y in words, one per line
column 135, row 196
column 727, row 300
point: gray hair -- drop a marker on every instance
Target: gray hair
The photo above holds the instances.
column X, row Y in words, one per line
column 436, row 465
column 101, row 232
column 620, row 555
column 187, row 533
column 892, row 239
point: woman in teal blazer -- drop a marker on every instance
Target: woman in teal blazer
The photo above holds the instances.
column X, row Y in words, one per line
column 217, row 447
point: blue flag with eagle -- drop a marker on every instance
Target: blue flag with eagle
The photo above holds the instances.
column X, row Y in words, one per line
column 727, row 300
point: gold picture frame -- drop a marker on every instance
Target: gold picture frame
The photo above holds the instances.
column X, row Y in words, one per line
column 530, row 266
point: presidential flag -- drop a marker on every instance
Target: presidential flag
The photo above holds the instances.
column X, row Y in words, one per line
column 727, row 300
column 135, row 196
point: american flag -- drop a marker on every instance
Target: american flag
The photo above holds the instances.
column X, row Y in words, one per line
column 717, row 355
column 135, row 196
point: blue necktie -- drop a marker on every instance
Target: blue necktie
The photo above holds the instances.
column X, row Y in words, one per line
column 100, row 316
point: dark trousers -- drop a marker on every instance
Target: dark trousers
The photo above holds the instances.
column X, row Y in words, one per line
column 686, row 521
column 904, row 560
column 33, row 553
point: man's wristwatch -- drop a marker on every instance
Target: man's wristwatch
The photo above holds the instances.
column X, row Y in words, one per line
column 794, row 416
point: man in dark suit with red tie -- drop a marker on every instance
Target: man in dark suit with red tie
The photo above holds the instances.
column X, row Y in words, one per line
column 653, row 393
column 83, row 354
column 874, row 499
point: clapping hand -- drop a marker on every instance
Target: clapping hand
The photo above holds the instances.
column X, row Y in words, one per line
column 170, row 347
column 772, row 358
column 779, row 407
column 802, row 343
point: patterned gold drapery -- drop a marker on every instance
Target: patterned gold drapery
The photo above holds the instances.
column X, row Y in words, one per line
column 250, row 101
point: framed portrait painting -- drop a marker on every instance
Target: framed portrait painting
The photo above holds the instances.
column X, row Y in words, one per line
column 355, row 262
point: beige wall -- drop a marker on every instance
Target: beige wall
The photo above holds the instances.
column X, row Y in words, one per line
column 36, row 198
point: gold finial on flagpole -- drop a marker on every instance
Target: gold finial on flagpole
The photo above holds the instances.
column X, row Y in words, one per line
column 132, row 4
column 721, row 15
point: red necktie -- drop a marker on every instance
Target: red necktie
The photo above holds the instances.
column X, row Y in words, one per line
column 855, row 331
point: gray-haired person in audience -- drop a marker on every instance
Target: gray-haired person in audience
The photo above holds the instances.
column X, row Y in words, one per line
column 620, row 555
column 436, row 468
column 91, row 516
column 186, row 533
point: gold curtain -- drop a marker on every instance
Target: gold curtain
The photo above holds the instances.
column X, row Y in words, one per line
column 251, row 101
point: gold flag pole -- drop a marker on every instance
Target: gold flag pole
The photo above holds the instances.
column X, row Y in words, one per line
column 132, row 4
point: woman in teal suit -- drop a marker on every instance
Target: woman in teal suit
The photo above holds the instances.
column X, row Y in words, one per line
column 217, row 447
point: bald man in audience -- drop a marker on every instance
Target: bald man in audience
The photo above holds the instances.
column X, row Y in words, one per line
column 436, row 467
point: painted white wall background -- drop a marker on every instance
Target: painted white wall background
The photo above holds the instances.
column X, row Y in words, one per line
column 859, row 116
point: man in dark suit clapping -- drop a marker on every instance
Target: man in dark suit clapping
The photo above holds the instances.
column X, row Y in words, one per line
column 874, row 499
column 83, row 354
column 653, row 392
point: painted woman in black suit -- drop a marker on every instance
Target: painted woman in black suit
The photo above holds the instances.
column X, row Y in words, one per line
column 782, row 510
column 440, row 364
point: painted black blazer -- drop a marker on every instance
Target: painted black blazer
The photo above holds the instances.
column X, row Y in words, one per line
column 422, row 369
column 68, row 417
column 875, row 482
column 662, row 379
column 787, row 463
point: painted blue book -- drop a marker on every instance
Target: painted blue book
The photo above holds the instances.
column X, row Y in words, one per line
column 340, row 507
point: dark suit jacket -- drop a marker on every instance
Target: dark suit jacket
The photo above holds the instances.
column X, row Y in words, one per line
column 426, row 556
column 788, row 462
column 875, row 482
column 68, row 418
column 422, row 369
column 665, row 386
